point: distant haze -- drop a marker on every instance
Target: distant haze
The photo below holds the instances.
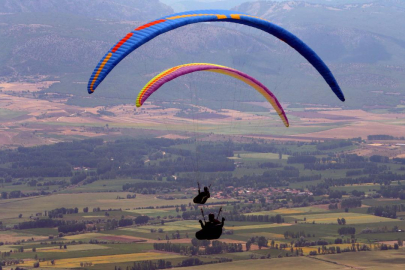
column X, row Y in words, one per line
column 183, row 5
column 363, row 44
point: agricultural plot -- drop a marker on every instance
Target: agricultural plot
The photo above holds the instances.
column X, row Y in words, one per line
column 190, row 227
column 265, row 234
column 367, row 188
column 351, row 218
column 290, row 211
column 307, row 250
column 154, row 212
column 14, row 236
column 97, row 260
column 260, row 156
column 186, row 225
column 33, row 205
column 382, row 202
column 7, row 248
column 301, row 263
column 6, row 115
column 72, row 248
column 255, row 227
column 84, row 236
column 378, row 237
column 370, row 260
column 103, row 185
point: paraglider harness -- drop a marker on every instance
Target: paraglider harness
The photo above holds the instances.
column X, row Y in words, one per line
column 202, row 197
column 212, row 229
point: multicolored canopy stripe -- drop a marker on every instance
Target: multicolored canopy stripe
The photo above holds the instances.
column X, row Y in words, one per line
column 175, row 72
column 145, row 33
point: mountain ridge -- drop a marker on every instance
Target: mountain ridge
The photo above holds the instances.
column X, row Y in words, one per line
column 106, row 9
column 359, row 50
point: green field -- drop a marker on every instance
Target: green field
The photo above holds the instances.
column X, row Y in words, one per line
column 290, row 211
column 370, row 188
column 27, row 206
column 351, row 218
column 72, row 248
column 97, row 260
column 105, row 185
column 6, row 114
column 370, row 260
column 262, row 156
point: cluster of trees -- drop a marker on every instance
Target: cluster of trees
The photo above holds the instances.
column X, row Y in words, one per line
column 329, row 145
column 125, row 222
column 261, row 241
column 388, row 247
column 357, row 193
column 11, row 194
column 18, row 194
column 336, row 194
column 350, row 203
column 40, row 223
column 218, row 247
column 149, row 265
column 347, row 230
column 305, row 243
column 333, row 250
column 383, row 229
column 381, row 178
column 260, row 148
column 294, row 235
column 77, row 178
column 302, row 159
column 112, row 224
column 191, row 262
column 382, row 137
column 270, row 165
column 385, row 211
column 59, row 212
column 393, row 192
column 399, row 160
column 255, row 218
column 378, row 158
column 341, row 221
column 176, row 248
column 72, row 228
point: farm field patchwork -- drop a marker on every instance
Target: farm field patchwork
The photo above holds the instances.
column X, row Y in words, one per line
column 302, row 263
column 290, row 211
column 84, row 236
column 265, row 234
column 30, row 206
column 370, row 260
column 351, row 218
column 75, row 262
column 72, row 248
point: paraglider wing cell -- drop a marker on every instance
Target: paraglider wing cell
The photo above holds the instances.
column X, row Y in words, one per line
column 143, row 34
column 181, row 70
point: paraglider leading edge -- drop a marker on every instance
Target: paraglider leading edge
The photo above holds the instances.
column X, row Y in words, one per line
column 145, row 33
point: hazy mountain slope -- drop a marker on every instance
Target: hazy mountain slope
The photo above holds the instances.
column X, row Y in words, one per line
column 182, row 5
column 362, row 43
column 106, row 9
